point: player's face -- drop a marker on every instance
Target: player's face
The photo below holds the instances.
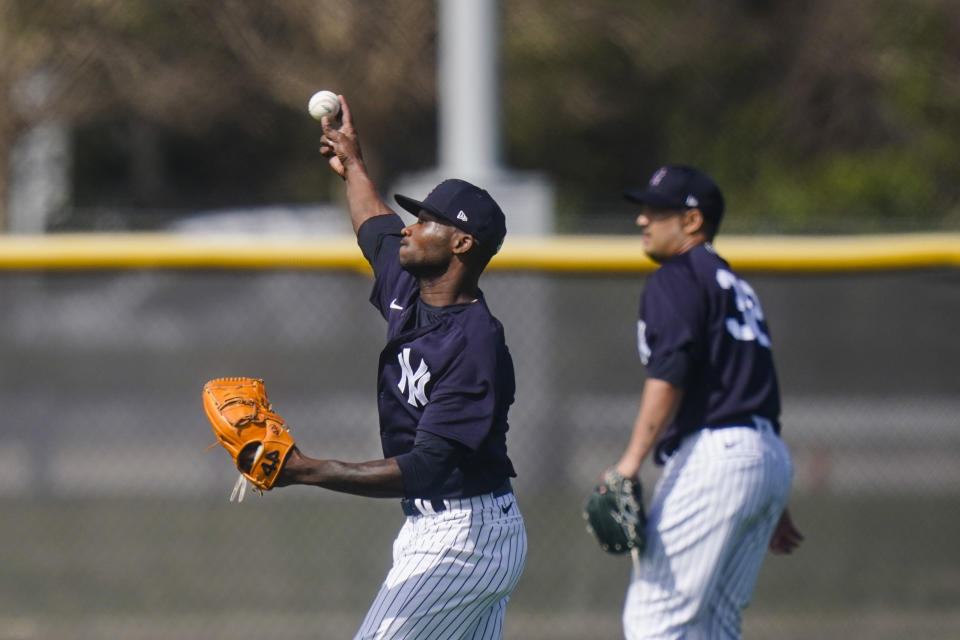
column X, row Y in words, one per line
column 426, row 245
column 663, row 233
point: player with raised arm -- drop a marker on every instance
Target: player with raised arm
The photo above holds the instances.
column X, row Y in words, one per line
column 445, row 384
column 709, row 412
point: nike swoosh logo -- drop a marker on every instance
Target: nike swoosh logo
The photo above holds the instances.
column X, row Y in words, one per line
column 507, row 508
column 394, row 305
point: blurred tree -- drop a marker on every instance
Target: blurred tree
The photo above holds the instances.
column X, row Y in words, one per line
column 192, row 103
column 821, row 115
column 818, row 115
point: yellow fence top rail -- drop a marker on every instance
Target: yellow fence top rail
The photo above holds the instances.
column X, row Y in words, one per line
column 107, row 251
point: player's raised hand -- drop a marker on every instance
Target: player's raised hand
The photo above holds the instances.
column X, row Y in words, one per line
column 339, row 142
column 785, row 536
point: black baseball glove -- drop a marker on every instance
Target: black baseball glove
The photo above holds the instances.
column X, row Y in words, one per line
column 614, row 513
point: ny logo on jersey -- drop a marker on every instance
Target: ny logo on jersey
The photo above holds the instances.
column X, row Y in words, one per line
column 642, row 346
column 748, row 304
column 415, row 382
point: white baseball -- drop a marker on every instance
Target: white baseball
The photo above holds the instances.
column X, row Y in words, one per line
column 323, row 103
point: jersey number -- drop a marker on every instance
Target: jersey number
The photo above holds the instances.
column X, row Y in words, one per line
column 748, row 304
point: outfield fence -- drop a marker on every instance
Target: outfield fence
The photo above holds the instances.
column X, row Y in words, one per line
column 115, row 518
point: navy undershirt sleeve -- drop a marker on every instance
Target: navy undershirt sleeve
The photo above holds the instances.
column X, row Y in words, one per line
column 430, row 462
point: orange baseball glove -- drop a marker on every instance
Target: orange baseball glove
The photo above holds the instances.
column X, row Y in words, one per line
column 243, row 421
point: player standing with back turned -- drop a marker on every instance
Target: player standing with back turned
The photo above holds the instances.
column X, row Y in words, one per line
column 445, row 383
column 709, row 412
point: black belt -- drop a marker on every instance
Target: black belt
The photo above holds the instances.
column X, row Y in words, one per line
column 750, row 422
column 665, row 448
column 410, row 508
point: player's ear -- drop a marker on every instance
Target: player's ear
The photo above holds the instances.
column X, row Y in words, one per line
column 462, row 243
column 693, row 221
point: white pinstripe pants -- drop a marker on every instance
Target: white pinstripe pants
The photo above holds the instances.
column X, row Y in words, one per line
column 710, row 521
column 452, row 573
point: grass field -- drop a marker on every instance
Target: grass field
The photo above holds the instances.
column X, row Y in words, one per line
column 305, row 565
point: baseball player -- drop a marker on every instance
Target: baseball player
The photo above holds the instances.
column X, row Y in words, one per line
column 709, row 413
column 446, row 381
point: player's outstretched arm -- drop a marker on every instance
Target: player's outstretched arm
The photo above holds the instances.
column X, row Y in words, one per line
column 785, row 536
column 374, row 479
column 341, row 146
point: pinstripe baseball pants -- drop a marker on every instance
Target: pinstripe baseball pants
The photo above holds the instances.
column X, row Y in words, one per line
column 710, row 520
column 452, row 572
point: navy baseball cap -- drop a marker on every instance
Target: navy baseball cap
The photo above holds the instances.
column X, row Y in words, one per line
column 465, row 206
column 681, row 187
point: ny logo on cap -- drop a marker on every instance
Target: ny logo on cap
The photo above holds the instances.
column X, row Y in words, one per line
column 657, row 177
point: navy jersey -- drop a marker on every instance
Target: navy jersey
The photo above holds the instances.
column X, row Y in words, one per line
column 702, row 328
column 446, row 371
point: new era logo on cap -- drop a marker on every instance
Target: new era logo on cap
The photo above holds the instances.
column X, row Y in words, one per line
column 681, row 187
column 451, row 199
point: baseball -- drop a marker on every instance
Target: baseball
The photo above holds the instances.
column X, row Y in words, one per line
column 323, row 103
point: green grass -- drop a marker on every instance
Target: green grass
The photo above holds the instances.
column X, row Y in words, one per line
column 307, row 563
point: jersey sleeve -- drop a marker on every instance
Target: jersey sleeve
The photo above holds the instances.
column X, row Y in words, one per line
column 463, row 400
column 670, row 325
column 379, row 240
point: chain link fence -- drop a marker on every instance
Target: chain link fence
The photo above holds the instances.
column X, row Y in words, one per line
column 116, row 521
